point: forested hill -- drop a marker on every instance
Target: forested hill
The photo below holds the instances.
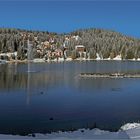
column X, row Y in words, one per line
column 104, row 42
column 109, row 43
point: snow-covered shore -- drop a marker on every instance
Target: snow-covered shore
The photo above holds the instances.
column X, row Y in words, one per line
column 98, row 58
column 67, row 60
column 128, row 131
column 41, row 60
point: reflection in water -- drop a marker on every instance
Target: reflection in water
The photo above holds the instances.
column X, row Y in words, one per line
column 15, row 69
column 15, row 76
column 28, row 87
column 28, row 71
column 54, row 91
column 10, row 79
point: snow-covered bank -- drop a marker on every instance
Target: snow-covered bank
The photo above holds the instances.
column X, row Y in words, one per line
column 81, row 134
column 130, row 130
column 66, row 60
column 42, row 60
column 130, row 126
column 3, row 61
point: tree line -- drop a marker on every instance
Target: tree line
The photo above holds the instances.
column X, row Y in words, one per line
column 104, row 42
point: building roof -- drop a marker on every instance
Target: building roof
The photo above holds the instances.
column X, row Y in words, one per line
column 79, row 46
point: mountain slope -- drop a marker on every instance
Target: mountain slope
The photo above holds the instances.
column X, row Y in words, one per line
column 104, row 42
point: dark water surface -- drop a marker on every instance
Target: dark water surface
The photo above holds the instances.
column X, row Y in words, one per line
column 54, row 98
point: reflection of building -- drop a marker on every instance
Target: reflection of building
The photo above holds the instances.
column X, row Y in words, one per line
column 28, row 88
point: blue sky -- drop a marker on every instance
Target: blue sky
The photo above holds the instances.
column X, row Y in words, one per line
column 65, row 16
